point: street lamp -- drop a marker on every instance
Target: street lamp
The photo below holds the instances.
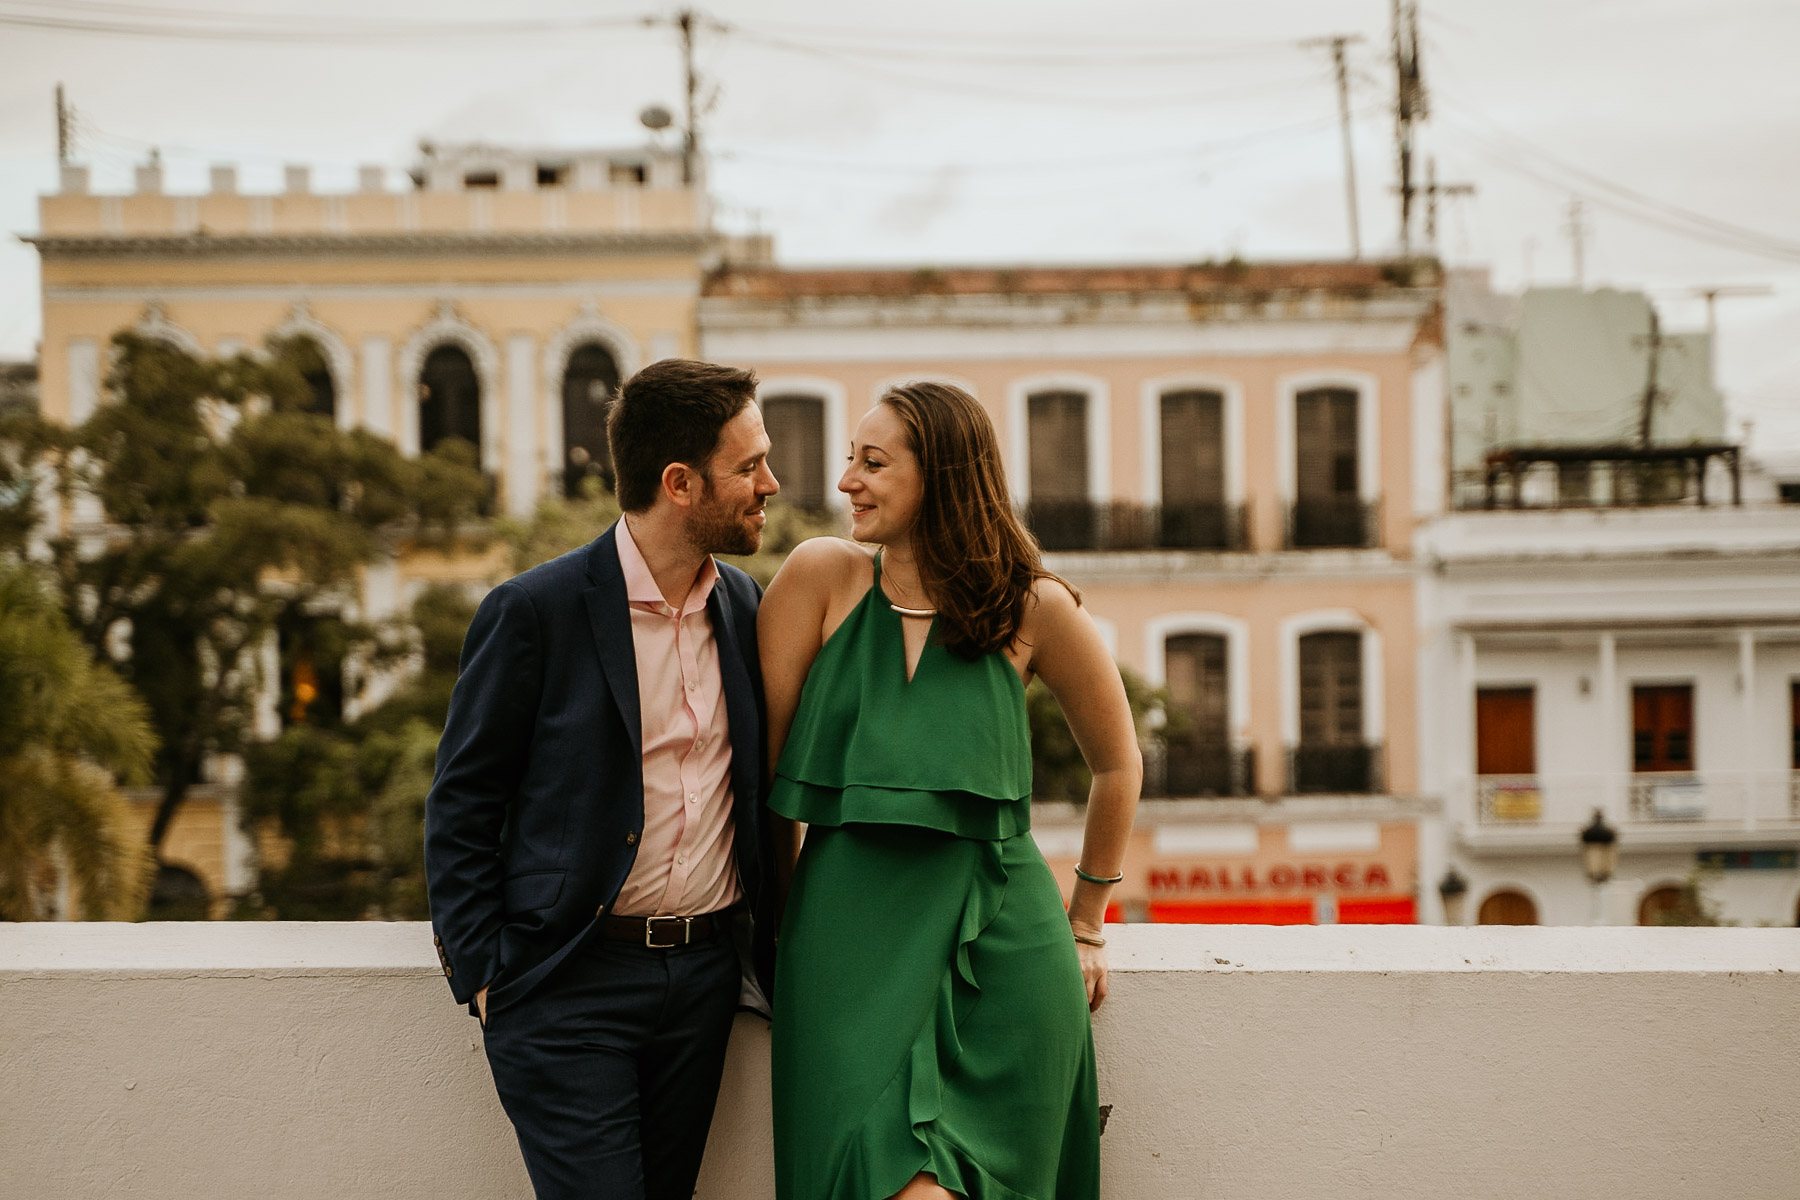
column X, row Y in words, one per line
column 1599, row 856
column 1451, row 890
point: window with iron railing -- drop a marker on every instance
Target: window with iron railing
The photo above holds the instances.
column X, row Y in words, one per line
column 1061, row 513
column 1328, row 508
column 1332, row 754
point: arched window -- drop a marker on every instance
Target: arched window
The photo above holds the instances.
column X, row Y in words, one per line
column 315, row 369
column 1056, row 437
column 796, row 427
column 1507, row 907
column 1333, row 755
column 590, row 382
column 1328, row 507
column 1193, row 469
column 1200, row 761
column 449, row 399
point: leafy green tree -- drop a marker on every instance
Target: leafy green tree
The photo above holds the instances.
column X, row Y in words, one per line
column 228, row 507
column 1058, row 771
column 70, row 731
column 343, row 807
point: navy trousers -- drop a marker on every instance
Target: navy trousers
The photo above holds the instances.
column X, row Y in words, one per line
column 609, row 1070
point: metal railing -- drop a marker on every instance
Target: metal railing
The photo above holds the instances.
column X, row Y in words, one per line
column 1338, row 523
column 1644, row 797
column 1200, row 767
column 1125, row 525
column 1353, row 769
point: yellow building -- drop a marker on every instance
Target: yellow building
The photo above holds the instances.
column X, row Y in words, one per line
column 500, row 296
column 1230, row 461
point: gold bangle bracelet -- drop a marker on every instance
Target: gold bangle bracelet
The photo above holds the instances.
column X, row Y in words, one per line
column 1088, row 941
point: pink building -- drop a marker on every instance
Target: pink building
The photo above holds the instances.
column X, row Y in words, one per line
column 1230, row 461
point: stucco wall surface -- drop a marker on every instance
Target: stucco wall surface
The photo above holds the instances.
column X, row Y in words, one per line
column 308, row 1060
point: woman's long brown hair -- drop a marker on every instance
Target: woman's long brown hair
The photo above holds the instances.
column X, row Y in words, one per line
column 976, row 559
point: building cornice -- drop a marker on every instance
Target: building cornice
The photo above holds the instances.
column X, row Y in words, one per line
column 397, row 244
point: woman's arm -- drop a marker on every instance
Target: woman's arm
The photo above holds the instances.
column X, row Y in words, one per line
column 789, row 631
column 1071, row 658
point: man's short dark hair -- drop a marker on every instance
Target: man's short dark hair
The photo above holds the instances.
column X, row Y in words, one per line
column 669, row 412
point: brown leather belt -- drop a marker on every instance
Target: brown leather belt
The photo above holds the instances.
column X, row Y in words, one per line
column 664, row 933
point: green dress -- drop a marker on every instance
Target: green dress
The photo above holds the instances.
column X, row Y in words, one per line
column 929, row 1009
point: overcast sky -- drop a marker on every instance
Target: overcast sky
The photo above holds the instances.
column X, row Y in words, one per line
column 946, row 131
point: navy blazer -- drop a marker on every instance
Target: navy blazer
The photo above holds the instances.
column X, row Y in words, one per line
column 533, row 820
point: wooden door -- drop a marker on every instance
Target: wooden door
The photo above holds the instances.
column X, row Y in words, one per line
column 1506, row 731
column 1507, row 908
column 1662, row 727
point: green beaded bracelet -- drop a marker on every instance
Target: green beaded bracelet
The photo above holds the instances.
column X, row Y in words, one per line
column 1081, row 874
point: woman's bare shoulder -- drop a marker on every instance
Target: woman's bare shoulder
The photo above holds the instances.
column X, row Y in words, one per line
column 1050, row 598
column 826, row 565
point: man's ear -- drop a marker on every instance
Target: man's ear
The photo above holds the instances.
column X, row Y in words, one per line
column 681, row 484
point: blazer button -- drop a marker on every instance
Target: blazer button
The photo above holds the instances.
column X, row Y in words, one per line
column 449, row 970
column 631, row 838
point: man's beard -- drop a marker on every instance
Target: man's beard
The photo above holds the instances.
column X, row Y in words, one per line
column 716, row 529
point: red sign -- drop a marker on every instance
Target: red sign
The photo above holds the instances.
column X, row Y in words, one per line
column 1279, row 877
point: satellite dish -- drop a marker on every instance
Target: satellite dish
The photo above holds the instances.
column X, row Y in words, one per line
column 656, row 117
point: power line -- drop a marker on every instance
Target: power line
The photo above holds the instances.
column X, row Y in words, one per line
column 241, row 28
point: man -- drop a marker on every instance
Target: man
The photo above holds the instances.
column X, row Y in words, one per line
column 594, row 840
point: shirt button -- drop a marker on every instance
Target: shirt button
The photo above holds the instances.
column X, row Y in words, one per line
column 692, row 684
column 681, row 858
column 693, row 799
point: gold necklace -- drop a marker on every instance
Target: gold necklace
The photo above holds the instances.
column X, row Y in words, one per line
column 907, row 612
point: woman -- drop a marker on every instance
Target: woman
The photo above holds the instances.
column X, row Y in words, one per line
column 931, row 1013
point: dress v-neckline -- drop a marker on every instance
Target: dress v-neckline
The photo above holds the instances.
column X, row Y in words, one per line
column 909, row 667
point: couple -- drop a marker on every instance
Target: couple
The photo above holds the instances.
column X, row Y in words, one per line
column 606, row 852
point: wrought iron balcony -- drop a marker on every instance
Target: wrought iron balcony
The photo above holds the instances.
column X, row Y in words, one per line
column 1352, row 769
column 1337, row 523
column 1201, row 767
column 1124, row 525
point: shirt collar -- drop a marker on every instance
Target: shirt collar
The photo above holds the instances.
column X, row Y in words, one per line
column 640, row 584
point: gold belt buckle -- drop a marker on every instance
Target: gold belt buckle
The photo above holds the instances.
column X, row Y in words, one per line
column 685, row 924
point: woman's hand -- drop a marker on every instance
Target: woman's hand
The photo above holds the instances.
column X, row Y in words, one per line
column 1093, row 972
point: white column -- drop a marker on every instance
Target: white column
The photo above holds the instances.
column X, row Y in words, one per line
column 84, row 379
column 378, row 386
column 1614, row 766
column 521, row 478
column 1751, row 778
column 1460, row 772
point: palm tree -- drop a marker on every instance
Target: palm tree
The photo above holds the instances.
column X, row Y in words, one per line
column 70, row 731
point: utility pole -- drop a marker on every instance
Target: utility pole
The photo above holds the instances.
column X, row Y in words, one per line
column 1713, row 291
column 65, row 129
column 1337, row 44
column 1648, row 409
column 1576, row 227
column 1433, row 189
column 1410, row 107
column 690, row 136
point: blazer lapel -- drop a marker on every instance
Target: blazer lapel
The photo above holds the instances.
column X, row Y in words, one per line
column 609, row 616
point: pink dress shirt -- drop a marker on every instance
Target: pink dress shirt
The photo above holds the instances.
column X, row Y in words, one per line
column 684, row 861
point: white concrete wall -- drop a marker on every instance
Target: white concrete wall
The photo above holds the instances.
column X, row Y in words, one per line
column 308, row 1060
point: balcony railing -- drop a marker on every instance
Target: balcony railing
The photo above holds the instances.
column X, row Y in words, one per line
column 1200, row 767
column 1646, row 797
column 1124, row 525
column 1338, row 523
column 1354, row 769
